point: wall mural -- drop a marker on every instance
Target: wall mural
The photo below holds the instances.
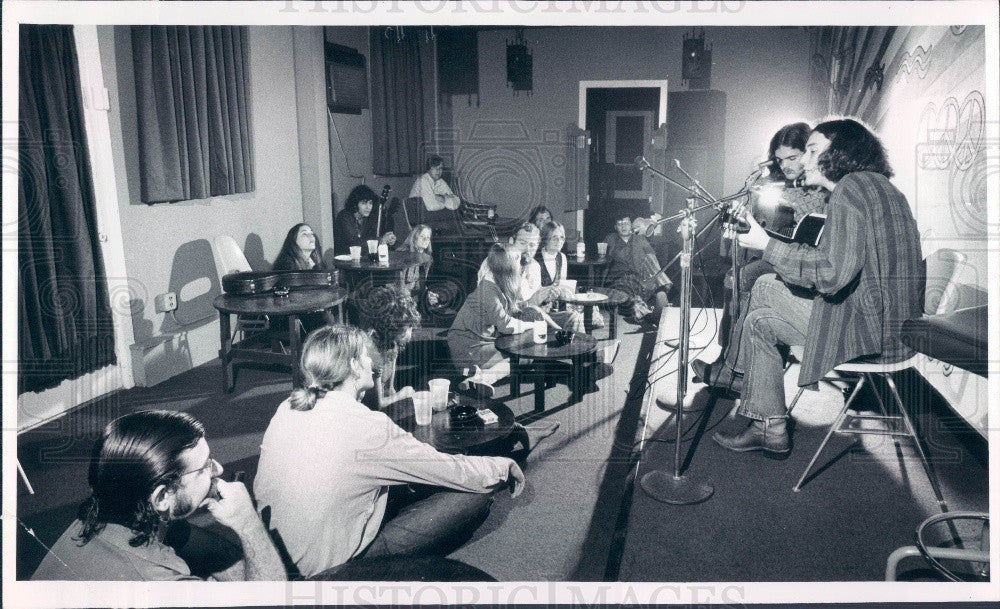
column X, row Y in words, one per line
column 916, row 62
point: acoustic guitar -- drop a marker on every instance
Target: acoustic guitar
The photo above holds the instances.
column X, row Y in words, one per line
column 382, row 198
column 254, row 283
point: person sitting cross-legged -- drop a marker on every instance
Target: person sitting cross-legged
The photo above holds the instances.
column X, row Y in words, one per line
column 341, row 481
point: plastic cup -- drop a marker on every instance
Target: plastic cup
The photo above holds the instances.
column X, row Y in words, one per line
column 355, row 252
column 439, row 393
column 373, row 249
column 422, row 411
column 602, row 248
column 539, row 331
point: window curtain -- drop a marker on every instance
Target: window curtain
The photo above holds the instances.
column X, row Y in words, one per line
column 401, row 74
column 64, row 315
column 191, row 85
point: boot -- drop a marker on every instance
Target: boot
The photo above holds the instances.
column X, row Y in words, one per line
column 770, row 435
column 717, row 375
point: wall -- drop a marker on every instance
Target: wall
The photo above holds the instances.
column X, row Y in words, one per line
column 749, row 64
column 168, row 246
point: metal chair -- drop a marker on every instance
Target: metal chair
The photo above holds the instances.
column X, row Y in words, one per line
column 940, row 290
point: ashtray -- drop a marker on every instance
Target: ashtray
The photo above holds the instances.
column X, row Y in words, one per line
column 563, row 337
column 463, row 414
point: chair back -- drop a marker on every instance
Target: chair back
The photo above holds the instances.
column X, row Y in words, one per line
column 941, row 292
column 413, row 208
column 229, row 256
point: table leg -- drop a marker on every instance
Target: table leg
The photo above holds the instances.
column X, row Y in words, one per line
column 590, row 277
column 295, row 344
column 225, row 351
column 539, row 394
column 613, row 322
column 588, row 317
column 515, row 376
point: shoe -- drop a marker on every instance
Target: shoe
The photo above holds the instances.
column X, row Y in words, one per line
column 770, row 436
column 718, row 376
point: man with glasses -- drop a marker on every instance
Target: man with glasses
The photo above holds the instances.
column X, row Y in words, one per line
column 149, row 472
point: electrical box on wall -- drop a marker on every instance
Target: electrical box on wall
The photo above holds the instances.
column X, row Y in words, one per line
column 346, row 79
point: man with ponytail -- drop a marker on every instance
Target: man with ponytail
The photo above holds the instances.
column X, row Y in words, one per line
column 149, row 472
column 341, row 482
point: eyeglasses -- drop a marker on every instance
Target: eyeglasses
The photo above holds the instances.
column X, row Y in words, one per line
column 210, row 463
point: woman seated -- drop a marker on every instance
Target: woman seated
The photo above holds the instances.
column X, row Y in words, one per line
column 552, row 265
column 301, row 250
column 354, row 225
column 634, row 269
column 492, row 309
column 415, row 277
column 540, row 216
column 393, row 316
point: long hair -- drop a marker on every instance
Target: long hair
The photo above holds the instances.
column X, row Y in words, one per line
column 853, row 147
column 794, row 136
column 326, row 361
column 506, row 272
column 392, row 312
column 538, row 211
column 410, row 243
column 547, row 231
column 290, row 257
column 358, row 194
column 135, row 454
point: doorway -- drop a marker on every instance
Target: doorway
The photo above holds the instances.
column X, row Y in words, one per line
column 620, row 117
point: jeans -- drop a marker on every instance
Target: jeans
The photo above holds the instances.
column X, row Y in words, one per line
column 729, row 332
column 425, row 520
column 776, row 317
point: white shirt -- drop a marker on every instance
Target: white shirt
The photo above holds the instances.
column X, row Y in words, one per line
column 427, row 188
column 325, row 475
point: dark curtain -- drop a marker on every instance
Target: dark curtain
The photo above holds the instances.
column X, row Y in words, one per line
column 64, row 314
column 399, row 74
column 191, row 87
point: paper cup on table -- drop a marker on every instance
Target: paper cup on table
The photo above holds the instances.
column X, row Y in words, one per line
column 422, row 411
column 569, row 284
column 602, row 248
column 372, row 248
column 540, row 331
column 581, row 249
column 355, row 252
column 439, row 393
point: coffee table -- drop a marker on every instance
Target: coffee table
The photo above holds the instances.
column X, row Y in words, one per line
column 451, row 437
column 611, row 301
column 547, row 360
column 590, row 262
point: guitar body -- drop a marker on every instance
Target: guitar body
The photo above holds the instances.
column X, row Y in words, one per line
column 256, row 283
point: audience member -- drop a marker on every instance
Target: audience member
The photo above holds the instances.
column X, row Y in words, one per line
column 634, row 269
column 493, row 308
column 540, row 216
column 432, row 189
column 393, row 316
column 552, row 271
column 415, row 278
column 354, row 225
column 149, row 472
column 327, row 464
column 301, row 250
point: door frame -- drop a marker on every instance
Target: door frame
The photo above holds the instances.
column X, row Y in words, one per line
column 661, row 114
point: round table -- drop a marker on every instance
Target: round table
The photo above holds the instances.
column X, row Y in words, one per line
column 590, row 262
column 298, row 302
column 614, row 299
column 581, row 351
column 450, row 437
column 399, row 263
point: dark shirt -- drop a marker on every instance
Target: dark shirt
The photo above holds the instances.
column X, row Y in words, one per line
column 348, row 232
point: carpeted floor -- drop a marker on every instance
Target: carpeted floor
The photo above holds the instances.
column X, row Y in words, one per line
column 558, row 529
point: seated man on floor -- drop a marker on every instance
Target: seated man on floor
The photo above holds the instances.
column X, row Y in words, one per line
column 867, row 276
column 785, row 153
column 150, row 471
column 341, row 481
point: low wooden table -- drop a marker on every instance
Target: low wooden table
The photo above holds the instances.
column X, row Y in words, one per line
column 399, row 263
column 298, row 302
column 450, row 437
column 614, row 299
column 545, row 358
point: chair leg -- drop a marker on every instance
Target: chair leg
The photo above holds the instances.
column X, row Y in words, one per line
column 928, row 468
column 829, row 433
column 795, row 401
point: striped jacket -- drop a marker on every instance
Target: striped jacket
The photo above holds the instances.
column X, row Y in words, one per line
column 867, row 271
